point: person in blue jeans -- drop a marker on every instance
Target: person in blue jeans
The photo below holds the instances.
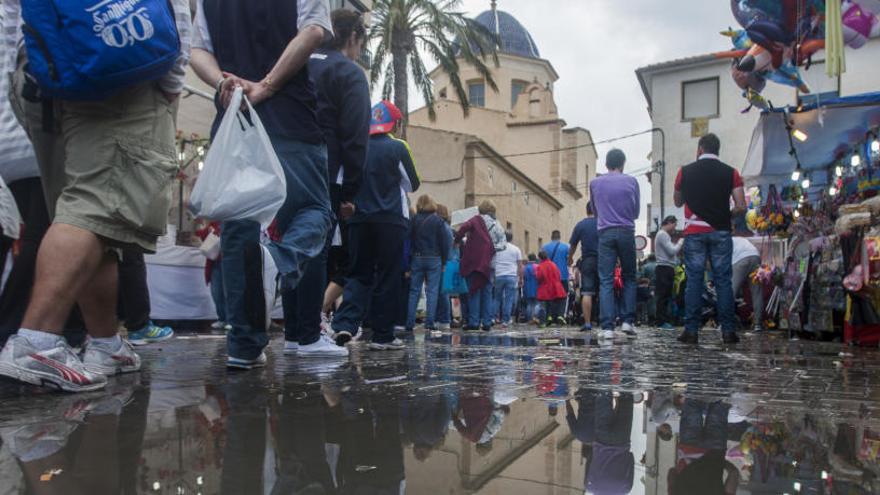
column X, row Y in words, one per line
column 508, row 278
column 430, row 250
column 530, row 290
column 616, row 200
column 705, row 188
column 444, row 305
column 477, row 251
column 275, row 79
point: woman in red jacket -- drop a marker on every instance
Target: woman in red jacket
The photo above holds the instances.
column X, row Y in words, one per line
column 550, row 290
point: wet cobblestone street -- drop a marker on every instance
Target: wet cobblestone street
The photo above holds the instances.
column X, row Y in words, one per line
column 524, row 411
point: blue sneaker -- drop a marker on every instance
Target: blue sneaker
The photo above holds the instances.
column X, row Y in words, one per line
column 150, row 334
column 666, row 326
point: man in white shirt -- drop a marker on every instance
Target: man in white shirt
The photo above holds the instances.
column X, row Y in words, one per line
column 746, row 260
column 508, row 279
column 667, row 259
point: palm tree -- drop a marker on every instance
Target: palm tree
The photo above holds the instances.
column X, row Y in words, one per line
column 401, row 28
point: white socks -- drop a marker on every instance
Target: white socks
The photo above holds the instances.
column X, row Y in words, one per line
column 111, row 343
column 41, row 340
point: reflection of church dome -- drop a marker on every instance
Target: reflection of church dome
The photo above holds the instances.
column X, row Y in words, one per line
column 513, row 37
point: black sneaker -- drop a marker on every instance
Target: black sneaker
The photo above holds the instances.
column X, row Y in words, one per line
column 468, row 328
column 730, row 338
column 486, row 328
column 689, row 338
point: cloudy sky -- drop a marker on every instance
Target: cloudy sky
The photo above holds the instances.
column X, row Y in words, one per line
column 596, row 45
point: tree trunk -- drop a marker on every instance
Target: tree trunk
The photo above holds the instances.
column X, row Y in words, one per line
column 401, row 86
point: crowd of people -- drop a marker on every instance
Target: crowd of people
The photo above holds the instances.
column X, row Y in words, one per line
column 98, row 195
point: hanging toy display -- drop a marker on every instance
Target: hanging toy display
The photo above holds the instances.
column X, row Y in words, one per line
column 770, row 218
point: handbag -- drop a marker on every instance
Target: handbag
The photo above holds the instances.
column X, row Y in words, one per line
column 453, row 282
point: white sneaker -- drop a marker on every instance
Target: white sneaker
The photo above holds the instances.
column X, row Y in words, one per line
column 324, row 346
column 109, row 362
column 246, row 364
column 218, row 325
column 58, row 366
column 628, row 330
column 606, row 334
column 290, row 347
column 394, row 345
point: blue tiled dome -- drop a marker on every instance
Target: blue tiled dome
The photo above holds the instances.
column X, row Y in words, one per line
column 514, row 38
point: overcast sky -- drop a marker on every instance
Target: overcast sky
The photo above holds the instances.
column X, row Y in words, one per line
column 596, row 46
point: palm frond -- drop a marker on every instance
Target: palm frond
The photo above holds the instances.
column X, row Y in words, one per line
column 439, row 28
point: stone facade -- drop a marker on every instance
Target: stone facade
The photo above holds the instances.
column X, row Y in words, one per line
column 461, row 170
column 521, row 124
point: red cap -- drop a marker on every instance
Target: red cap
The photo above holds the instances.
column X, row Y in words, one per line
column 384, row 117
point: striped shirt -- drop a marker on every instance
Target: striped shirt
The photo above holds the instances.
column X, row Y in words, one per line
column 17, row 160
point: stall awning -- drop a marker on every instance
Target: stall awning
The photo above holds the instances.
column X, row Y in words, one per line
column 833, row 126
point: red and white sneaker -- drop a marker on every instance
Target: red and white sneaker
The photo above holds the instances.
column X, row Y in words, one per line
column 58, row 367
column 100, row 359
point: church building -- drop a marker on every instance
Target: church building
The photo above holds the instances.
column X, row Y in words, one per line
column 513, row 147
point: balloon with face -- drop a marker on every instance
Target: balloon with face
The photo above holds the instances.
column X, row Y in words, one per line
column 859, row 24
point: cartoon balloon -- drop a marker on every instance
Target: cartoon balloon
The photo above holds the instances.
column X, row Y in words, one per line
column 859, row 24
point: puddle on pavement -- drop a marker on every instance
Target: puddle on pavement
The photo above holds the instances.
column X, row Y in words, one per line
column 460, row 414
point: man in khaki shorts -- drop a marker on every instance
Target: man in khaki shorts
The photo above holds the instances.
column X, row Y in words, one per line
column 107, row 168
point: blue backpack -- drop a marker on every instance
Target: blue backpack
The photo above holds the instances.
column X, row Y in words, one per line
column 89, row 50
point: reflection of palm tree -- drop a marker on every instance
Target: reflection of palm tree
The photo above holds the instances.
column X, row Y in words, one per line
column 402, row 28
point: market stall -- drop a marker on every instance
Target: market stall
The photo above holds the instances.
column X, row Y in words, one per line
column 813, row 174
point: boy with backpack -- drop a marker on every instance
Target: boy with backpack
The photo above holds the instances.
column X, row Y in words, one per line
column 103, row 128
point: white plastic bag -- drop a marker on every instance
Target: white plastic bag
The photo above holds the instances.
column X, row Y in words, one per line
column 10, row 218
column 242, row 178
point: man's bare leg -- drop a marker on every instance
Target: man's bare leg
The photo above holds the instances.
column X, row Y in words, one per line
column 587, row 307
column 331, row 295
column 68, row 259
column 97, row 299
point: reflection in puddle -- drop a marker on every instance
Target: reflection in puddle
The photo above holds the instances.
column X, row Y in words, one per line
column 460, row 414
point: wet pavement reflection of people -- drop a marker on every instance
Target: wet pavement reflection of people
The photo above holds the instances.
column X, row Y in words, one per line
column 700, row 457
column 57, row 453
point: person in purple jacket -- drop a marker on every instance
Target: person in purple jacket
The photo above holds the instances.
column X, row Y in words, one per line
column 616, row 200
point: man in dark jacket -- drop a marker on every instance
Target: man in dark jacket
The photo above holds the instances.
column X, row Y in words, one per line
column 343, row 110
column 377, row 231
column 344, row 117
column 704, row 188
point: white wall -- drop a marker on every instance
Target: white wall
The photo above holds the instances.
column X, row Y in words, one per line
column 733, row 127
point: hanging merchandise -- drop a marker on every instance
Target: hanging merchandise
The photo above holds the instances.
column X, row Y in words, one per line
column 771, row 218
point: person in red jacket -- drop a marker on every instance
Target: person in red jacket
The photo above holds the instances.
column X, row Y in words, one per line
column 550, row 290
